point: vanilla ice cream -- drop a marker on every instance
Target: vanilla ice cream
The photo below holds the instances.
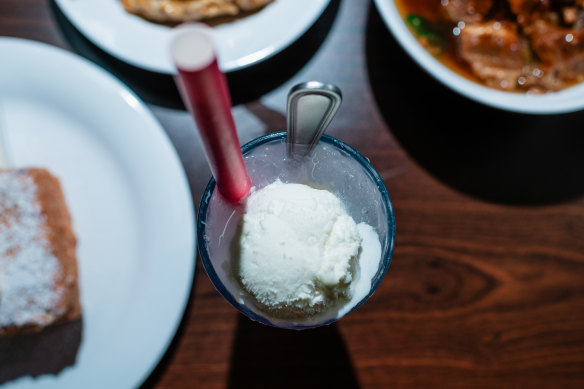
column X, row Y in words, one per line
column 299, row 250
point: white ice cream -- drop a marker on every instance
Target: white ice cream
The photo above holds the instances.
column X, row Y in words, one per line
column 299, row 250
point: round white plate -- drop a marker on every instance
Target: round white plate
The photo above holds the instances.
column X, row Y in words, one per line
column 567, row 100
column 241, row 43
column 129, row 199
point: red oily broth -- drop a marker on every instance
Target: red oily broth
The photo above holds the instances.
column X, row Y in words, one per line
column 432, row 10
column 429, row 9
column 434, row 13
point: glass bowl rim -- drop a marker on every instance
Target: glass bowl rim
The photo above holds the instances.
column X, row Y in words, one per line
column 387, row 248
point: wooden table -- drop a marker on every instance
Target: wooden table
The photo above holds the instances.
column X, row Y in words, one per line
column 486, row 285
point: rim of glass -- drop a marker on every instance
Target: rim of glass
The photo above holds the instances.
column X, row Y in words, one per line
column 387, row 248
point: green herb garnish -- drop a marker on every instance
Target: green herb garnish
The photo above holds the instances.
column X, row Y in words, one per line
column 426, row 31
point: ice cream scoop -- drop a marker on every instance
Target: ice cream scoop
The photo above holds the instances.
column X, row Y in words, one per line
column 298, row 251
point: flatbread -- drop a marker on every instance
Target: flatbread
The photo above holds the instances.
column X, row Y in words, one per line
column 177, row 11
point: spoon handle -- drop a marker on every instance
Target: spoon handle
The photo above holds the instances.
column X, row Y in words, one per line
column 311, row 107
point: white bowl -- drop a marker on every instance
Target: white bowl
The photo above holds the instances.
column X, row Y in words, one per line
column 567, row 100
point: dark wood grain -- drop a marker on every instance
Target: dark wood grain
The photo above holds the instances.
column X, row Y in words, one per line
column 486, row 285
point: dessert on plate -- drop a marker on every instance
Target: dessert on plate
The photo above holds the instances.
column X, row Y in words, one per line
column 177, row 11
column 38, row 266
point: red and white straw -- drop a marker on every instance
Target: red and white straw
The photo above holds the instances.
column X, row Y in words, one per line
column 204, row 90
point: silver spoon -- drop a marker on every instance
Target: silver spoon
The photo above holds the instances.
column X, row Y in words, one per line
column 311, row 107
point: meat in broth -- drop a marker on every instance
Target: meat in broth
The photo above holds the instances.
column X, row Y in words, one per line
column 533, row 46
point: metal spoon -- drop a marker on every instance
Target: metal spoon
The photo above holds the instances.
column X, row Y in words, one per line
column 311, row 107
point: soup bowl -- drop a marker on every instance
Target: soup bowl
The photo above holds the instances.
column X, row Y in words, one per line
column 564, row 101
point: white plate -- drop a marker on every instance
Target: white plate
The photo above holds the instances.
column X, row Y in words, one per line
column 129, row 199
column 241, row 43
column 567, row 100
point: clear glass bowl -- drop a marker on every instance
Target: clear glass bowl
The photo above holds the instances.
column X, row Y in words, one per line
column 333, row 165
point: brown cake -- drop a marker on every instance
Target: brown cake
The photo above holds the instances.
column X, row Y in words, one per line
column 38, row 265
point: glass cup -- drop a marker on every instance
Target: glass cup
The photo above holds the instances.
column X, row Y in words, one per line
column 332, row 165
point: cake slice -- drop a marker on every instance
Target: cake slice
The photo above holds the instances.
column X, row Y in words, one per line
column 38, row 266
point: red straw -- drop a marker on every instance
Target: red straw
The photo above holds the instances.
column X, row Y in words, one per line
column 204, row 90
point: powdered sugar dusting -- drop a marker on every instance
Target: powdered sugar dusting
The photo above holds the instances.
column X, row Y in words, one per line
column 28, row 293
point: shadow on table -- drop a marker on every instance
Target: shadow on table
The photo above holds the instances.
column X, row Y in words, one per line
column 267, row 357
column 245, row 85
column 46, row 352
column 488, row 153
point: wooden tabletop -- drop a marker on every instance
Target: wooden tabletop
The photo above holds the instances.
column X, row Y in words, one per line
column 486, row 284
